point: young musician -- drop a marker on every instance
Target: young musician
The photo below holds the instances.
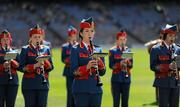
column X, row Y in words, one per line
column 84, row 87
column 162, row 62
column 149, row 46
column 65, row 57
column 35, row 83
column 121, row 74
column 8, row 74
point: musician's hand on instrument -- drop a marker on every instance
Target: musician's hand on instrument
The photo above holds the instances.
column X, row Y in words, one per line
column 117, row 65
column 123, row 63
column 77, row 73
column 92, row 63
column 101, row 64
column 38, row 64
column 173, row 66
column 6, row 64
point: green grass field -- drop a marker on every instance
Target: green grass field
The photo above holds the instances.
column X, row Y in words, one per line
column 141, row 92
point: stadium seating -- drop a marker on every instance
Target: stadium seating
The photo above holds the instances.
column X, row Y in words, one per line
column 141, row 21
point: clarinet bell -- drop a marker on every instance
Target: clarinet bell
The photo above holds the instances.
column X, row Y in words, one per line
column 99, row 84
column 10, row 78
column 44, row 80
column 126, row 75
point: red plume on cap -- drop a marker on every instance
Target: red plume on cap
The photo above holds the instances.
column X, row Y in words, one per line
column 6, row 34
column 121, row 34
column 170, row 29
column 84, row 25
column 72, row 30
column 87, row 23
column 36, row 30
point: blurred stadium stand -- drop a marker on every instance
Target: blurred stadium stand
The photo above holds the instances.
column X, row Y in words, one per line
column 141, row 20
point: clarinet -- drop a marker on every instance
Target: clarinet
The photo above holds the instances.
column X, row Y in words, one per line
column 173, row 58
column 42, row 67
column 124, row 65
column 9, row 66
column 99, row 83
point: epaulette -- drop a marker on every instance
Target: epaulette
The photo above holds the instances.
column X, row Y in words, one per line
column 65, row 44
column 152, row 43
column 77, row 45
column 113, row 47
column 160, row 45
column 45, row 46
column 26, row 46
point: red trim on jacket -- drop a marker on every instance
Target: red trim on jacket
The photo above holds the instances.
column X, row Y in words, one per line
column 30, row 68
column 163, row 71
column 164, row 68
column 14, row 71
column 117, row 56
column 14, row 64
column 83, row 55
column 81, row 45
column 32, row 75
column 46, row 75
column 164, row 57
column 101, row 65
column 84, row 73
column 47, row 64
column 68, row 52
column 31, row 54
column 1, row 68
column 67, row 60
column 29, row 75
column 117, row 68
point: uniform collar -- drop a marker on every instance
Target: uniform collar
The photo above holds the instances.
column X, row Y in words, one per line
column 83, row 44
column 119, row 47
column 167, row 46
column 86, row 45
column 3, row 48
column 33, row 47
column 75, row 43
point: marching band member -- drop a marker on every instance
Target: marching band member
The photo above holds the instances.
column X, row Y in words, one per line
column 85, row 90
column 35, row 83
column 162, row 63
column 149, row 46
column 121, row 75
column 8, row 74
column 65, row 57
